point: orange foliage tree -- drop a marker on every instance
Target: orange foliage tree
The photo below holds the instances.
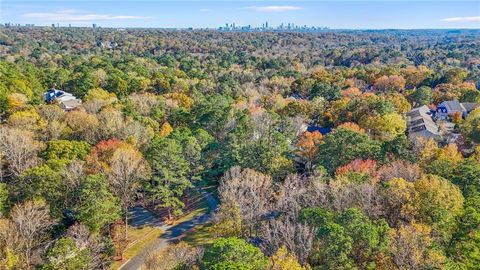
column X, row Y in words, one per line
column 307, row 148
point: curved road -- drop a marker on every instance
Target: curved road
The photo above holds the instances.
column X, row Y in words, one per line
column 171, row 232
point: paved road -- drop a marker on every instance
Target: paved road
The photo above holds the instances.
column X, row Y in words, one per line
column 172, row 232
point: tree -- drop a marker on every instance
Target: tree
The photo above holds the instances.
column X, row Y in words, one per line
column 393, row 83
column 31, row 220
column 227, row 220
column 398, row 196
column 3, row 199
column 170, row 171
column 467, row 176
column 471, row 126
column 413, row 248
column 19, row 149
column 327, row 91
column 174, row 256
column 465, row 245
column 96, row 206
column 385, row 127
column 44, row 182
column 65, row 255
column 421, row 96
column 298, row 238
column 127, row 168
column 438, row 203
column 250, row 191
column 234, row 253
column 124, row 167
column 308, row 147
column 347, row 240
column 98, row 246
column 343, row 146
column 284, row 260
column 66, row 150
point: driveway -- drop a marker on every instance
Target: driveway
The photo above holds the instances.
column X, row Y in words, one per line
column 171, row 232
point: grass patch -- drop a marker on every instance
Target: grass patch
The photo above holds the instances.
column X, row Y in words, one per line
column 138, row 239
column 199, row 209
column 199, row 236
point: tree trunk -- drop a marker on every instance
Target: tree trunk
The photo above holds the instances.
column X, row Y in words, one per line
column 126, row 223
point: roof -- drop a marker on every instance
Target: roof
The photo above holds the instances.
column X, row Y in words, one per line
column 470, row 106
column 70, row 103
column 322, row 130
column 453, row 106
column 419, row 119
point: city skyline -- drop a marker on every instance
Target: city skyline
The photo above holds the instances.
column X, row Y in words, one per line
column 212, row 14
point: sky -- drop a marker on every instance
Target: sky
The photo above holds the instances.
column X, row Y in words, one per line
column 340, row 14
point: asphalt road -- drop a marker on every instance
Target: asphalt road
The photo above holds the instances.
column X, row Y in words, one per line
column 142, row 217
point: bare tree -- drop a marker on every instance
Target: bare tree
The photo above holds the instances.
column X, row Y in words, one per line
column 250, row 190
column 127, row 168
column 9, row 241
column 295, row 236
column 19, row 149
column 399, row 169
column 365, row 196
column 84, row 239
column 72, row 176
column 298, row 191
column 32, row 220
column 174, row 256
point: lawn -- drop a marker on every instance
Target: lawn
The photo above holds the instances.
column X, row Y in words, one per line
column 138, row 239
column 200, row 236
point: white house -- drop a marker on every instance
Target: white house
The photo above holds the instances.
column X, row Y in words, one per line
column 66, row 100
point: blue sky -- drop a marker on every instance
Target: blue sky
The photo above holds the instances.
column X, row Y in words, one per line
column 353, row 14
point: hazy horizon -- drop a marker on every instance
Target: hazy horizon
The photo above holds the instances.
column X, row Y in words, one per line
column 212, row 14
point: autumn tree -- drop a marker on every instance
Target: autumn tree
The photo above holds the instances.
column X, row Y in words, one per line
column 284, row 260
column 393, row 83
column 413, row 248
column 308, row 147
column 124, row 167
column 31, row 220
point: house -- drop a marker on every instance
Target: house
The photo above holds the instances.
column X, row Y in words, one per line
column 66, row 100
column 447, row 108
column 420, row 123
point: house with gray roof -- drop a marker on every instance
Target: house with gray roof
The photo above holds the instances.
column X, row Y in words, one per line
column 447, row 108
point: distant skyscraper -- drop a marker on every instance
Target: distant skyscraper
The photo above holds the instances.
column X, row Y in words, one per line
column 266, row 25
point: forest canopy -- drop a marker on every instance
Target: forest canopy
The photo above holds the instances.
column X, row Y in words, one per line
column 303, row 138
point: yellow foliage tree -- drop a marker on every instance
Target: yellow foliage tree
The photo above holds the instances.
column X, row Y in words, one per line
column 165, row 130
column 385, row 127
column 412, row 248
column 284, row 260
column 15, row 101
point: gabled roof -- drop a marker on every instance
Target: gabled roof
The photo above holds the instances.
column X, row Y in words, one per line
column 453, row 106
column 470, row 106
column 70, row 103
column 419, row 119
